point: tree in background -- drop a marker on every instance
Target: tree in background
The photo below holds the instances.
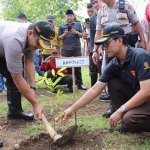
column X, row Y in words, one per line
column 39, row 9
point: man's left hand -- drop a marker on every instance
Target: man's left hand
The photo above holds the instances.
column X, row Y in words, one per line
column 73, row 31
column 114, row 118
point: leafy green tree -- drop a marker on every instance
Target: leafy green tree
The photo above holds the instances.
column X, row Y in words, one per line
column 38, row 9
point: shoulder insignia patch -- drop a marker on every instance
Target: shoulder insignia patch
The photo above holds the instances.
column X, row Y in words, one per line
column 146, row 66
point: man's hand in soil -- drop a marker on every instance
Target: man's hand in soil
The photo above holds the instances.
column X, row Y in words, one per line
column 38, row 110
column 67, row 115
column 114, row 118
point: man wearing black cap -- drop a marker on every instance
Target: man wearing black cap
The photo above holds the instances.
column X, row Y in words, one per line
column 22, row 18
column 128, row 79
column 70, row 33
column 17, row 38
column 55, row 40
column 117, row 12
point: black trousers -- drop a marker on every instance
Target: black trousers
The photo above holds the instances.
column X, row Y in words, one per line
column 74, row 53
column 94, row 69
column 5, row 73
column 136, row 119
column 64, row 80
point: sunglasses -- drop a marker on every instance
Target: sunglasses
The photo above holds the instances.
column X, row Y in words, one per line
column 105, row 45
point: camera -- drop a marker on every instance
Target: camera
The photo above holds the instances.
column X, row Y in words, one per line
column 87, row 20
column 69, row 27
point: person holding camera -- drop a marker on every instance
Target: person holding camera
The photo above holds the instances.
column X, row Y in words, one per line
column 49, row 64
column 70, row 33
column 117, row 12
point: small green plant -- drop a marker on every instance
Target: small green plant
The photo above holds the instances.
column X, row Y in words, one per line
column 34, row 129
column 52, row 84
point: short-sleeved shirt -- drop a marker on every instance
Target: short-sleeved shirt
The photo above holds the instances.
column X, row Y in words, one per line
column 71, row 41
column 110, row 16
column 13, row 42
column 136, row 68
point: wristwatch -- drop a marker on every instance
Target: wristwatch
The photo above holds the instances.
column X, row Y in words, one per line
column 122, row 108
column 95, row 51
column 33, row 87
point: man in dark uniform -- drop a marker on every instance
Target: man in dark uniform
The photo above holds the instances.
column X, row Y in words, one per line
column 70, row 33
column 17, row 38
column 128, row 79
column 113, row 13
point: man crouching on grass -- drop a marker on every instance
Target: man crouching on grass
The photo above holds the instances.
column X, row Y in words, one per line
column 128, row 79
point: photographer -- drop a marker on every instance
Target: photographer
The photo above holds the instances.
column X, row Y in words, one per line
column 70, row 33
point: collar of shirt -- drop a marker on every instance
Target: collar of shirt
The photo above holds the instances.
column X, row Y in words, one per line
column 127, row 57
column 69, row 24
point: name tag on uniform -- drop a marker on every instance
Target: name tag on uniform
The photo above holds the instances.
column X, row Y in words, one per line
column 104, row 19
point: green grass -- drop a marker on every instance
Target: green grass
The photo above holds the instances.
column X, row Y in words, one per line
column 93, row 123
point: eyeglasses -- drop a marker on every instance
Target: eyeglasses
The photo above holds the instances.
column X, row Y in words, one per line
column 105, row 45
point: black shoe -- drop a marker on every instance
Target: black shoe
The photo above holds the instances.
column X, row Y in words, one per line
column 105, row 98
column 19, row 115
column 109, row 112
column 1, row 144
column 71, row 90
column 81, row 87
column 15, row 110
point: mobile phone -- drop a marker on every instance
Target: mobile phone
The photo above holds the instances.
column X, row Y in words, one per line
column 87, row 20
column 52, row 58
column 69, row 27
column 121, row 4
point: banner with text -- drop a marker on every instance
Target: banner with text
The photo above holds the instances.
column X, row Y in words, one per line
column 72, row 62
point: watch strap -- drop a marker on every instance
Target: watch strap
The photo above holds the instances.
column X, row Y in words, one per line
column 95, row 51
column 33, row 87
column 122, row 108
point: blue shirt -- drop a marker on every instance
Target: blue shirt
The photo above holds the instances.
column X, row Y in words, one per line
column 71, row 41
column 136, row 68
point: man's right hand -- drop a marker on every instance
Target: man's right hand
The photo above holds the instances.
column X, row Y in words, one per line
column 96, row 56
column 66, row 32
column 38, row 110
column 66, row 116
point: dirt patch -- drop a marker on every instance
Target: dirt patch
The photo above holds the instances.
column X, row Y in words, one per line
column 14, row 131
column 82, row 142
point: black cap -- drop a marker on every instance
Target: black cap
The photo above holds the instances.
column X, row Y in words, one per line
column 56, row 49
column 69, row 11
column 45, row 31
column 108, row 32
column 50, row 18
column 21, row 15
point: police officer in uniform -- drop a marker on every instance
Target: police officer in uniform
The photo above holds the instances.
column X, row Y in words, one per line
column 117, row 12
column 17, row 38
column 128, row 79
